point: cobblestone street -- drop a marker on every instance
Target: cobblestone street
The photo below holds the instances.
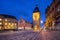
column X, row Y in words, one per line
column 31, row 35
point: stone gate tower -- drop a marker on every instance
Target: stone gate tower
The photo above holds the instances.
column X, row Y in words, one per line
column 36, row 18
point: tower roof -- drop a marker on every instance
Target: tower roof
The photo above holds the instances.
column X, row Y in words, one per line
column 36, row 9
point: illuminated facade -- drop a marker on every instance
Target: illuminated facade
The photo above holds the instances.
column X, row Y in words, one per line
column 7, row 22
column 36, row 19
column 24, row 25
column 53, row 15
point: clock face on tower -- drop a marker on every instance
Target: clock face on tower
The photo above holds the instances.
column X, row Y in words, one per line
column 36, row 16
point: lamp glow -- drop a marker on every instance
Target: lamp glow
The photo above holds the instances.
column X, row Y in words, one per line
column 41, row 21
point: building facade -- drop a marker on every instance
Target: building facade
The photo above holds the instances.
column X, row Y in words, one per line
column 53, row 15
column 7, row 22
column 36, row 18
column 24, row 25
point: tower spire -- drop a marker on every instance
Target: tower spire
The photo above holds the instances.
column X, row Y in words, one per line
column 36, row 5
column 36, row 9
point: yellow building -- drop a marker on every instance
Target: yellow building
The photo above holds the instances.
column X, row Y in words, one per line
column 53, row 15
column 36, row 19
column 7, row 22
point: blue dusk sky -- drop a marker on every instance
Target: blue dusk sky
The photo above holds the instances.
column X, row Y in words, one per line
column 24, row 8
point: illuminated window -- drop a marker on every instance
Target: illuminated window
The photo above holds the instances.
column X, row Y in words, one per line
column 5, row 23
column 9, row 27
column 15, row 24
column 9, row 23
column 5, row 19
column 0, row 23
column 12, row 23
column 0, row 19
column 35, row 27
